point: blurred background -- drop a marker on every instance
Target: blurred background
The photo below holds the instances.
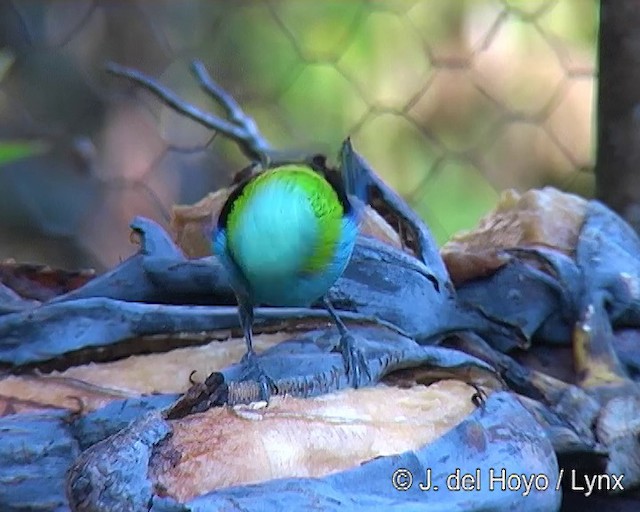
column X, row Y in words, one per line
column 451, row 102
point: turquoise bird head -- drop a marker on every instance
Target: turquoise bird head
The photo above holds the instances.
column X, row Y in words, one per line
column 285, row 235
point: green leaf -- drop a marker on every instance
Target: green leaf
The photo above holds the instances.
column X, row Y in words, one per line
column 15, row 150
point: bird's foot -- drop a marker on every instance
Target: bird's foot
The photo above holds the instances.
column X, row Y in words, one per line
column 253, row 371
column 479, row 397
column 355, row 363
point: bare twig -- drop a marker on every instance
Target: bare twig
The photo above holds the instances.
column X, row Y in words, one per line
column 227, row 102
column 240, row 128
column 253, row 142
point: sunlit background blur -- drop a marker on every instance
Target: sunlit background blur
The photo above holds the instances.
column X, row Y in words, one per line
column 451, row 101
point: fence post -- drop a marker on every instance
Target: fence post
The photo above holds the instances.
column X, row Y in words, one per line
column 618, row 108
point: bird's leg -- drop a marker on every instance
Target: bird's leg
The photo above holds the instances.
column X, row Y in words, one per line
column 250, row 359
column 354, row 361
column 246, row 320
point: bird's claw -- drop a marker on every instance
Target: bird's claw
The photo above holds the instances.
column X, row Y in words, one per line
column 355, row 363
column 253, row 371
column 479, row 397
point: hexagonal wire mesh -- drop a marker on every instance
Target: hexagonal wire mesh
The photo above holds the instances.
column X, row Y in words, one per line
column 450, row 101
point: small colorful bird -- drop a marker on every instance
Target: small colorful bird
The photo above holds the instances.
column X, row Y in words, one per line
column 285, row 236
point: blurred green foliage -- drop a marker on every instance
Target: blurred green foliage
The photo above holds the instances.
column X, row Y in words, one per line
column 11, row 151
column 423, row 87
column 451, row 101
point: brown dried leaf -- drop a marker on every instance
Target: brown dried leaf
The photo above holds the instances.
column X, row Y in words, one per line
column 192, row 224
column 374, row 226
column 546, row 217
column 41, row 282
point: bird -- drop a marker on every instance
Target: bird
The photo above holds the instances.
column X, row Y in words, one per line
column 284, row 236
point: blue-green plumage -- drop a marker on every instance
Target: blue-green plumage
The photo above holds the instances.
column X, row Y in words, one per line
column 274, row 277
column 275, row 234
column 285, row 236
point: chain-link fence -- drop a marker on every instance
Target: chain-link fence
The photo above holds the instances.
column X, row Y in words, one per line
column 450, row 101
